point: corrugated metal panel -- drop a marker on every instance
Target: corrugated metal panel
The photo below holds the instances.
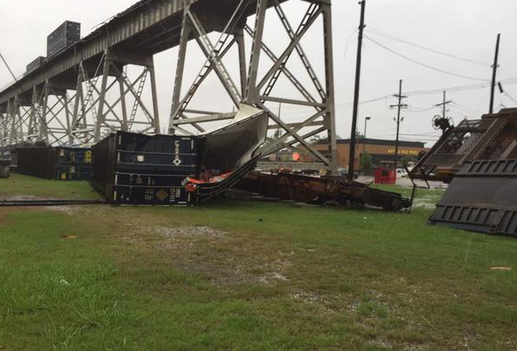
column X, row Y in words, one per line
column 33, row 161
column 490, row 168
column 482, row 197
column 138, row 169
column 54, row 163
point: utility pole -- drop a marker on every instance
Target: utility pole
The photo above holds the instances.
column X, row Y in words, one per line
column 353, row 134
column 494, row 74
column 399, row 106
column 444, row 103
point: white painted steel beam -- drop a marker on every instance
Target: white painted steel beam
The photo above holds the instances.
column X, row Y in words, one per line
column 39, row 107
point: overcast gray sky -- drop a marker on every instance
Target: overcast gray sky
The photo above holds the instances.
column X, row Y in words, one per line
column 463, row 28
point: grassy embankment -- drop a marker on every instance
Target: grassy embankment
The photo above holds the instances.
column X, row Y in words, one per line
column 247, row 276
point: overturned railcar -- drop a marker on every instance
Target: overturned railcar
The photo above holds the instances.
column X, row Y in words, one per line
column 137, row 169
column 134, row 168
column 479, row 160
column 59, row 163
column 482, row 197
column 321, row 190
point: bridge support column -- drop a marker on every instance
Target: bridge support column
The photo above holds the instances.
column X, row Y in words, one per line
column 35, row 116
column 43, row 127
column 110, row 90
column 316, row 102
column 3, row 129
column 78, row 120
column 9, row 122
column 330, row 116
column 186, row 29
column 55, row 120
column 123, row 104
column 241, row 45
column 192, row 25
column 21, row 118
column 116, row 115
column 16, row 131
column 252, row 90
column 154, row 95
column 101, row 117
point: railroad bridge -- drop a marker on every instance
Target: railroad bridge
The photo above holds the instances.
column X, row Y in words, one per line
column 84, row 92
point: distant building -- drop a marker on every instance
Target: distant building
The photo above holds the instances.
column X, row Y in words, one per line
column 381, row 151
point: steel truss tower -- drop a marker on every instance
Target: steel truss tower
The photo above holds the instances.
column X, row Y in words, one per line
column 88, row 91
column 254, row 89
column 63, row 112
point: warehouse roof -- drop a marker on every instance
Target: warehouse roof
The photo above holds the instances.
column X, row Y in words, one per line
column 379, row 142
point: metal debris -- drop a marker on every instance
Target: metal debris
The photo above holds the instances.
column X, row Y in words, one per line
column 479, row 160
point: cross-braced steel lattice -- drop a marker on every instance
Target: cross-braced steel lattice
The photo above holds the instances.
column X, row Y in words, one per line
column 92, row 88
column 102, row 99
column 255, row 89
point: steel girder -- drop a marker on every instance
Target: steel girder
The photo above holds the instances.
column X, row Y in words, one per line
column 51, row 105
column 82, row 113
column 254, row 89
column 107, row 118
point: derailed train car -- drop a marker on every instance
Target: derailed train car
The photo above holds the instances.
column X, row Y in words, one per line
column 136, row 169
column 335, row 190
column 479, row 160
column 59, row 163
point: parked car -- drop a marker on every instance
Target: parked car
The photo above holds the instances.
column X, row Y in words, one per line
column 401, row 173
column 343, row 172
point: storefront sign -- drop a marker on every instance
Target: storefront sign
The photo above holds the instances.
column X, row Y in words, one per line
column 403, row 152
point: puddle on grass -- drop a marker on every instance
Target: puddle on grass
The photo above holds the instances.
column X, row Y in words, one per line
column 427, row 202
column 504, row 269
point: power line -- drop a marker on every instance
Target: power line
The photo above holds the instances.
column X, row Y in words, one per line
column 508, row 81
column 16, row 82
column 510, row 97
column 419, row 109
column 506, row 93
column 8, row 67
column 466, row 108
column 463, row 113
column 379, row 32
column 348, row 42
column 424, row 64
column 368, row 101
column 453, row 89
column 479, row 86
column 424, row 134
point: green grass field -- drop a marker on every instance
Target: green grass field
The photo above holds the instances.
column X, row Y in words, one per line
column 21, row 185
column 247, row 276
